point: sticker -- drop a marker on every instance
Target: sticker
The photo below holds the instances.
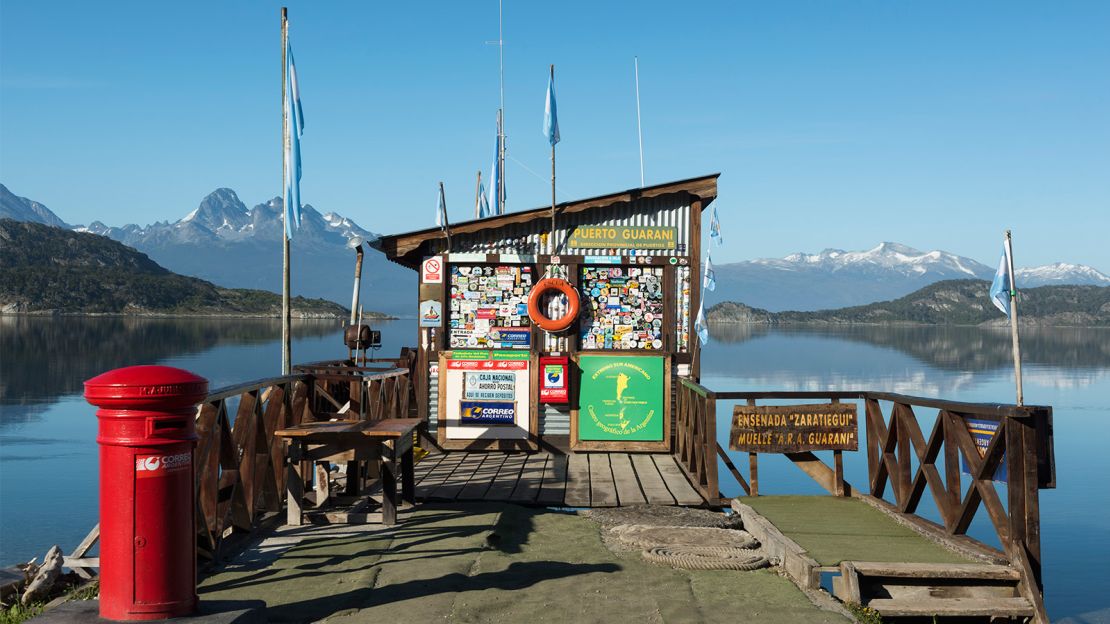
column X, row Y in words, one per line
column 431, row 313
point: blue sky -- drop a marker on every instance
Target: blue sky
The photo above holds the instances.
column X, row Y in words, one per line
column 935, row 124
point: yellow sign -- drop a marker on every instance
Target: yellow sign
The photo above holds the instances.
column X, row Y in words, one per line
column 624, row 237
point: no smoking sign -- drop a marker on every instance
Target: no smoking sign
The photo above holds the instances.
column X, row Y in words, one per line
column 432, row 271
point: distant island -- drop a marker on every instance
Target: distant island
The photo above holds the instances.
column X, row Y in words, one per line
column 49, row 270
column 950, row 302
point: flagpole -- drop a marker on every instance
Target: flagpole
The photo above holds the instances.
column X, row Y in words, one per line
column 552, row 178
column 639, row 131
column 286, row 313
column 1014, row 320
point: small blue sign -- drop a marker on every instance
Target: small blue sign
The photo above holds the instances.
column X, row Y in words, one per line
column 512, row 336
column 982, row 432
column 487, row 412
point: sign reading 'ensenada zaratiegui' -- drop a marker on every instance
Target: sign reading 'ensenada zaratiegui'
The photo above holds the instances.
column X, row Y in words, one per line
column 794, row 428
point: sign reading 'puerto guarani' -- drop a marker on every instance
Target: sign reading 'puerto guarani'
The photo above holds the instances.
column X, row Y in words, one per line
column 794, row 428
column 623, row 237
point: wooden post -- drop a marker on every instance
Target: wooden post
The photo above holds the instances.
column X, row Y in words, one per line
column 753, row 458
column 1014, row 320
column 286, row 312
column 838, row 469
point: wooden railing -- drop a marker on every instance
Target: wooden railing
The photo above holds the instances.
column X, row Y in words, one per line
column 239, row 463
column 900, row 455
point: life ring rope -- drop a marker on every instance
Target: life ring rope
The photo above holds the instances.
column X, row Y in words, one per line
column 538, row 317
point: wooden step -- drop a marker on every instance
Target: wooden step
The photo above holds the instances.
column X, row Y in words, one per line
column 952, row 607
column 936, row 570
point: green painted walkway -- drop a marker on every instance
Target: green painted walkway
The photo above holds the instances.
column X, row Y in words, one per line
column 845, row 529
column 490, row 563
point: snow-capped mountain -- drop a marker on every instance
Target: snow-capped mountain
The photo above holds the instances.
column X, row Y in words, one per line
column 836, row 278
column 229, row 244
column 1060, row 273
column 886, row 257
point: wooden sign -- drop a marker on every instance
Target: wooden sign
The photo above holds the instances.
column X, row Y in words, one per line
column 794, row 428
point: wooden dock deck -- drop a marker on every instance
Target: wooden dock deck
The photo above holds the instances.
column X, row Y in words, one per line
column 579, row 480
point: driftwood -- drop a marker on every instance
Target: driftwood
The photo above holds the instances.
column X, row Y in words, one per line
column 44, row 579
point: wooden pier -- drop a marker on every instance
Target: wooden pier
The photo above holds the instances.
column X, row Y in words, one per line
column 578, row 480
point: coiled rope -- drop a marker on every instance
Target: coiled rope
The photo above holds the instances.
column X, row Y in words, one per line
column 693, row 548
column 706, row 558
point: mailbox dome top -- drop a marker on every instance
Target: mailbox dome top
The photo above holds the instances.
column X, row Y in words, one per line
column 146, row 387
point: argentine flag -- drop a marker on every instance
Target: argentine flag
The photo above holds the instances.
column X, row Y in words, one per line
column 715, row 228
column 550, row 119
column 483, row 201
column 700, row 327
column 1000, row 287
column 709, row 282
column 292, row 196
column 494, row 202
column 441, row 208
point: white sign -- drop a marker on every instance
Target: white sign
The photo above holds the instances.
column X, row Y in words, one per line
column 432, row 271
column 490, row 386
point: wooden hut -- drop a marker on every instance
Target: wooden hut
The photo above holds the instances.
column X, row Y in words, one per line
column 488, row 377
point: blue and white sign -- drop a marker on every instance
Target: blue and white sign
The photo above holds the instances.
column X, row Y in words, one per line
column 489, row 386
column 487, row 412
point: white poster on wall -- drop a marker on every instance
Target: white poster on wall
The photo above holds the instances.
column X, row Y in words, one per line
column 487, row 398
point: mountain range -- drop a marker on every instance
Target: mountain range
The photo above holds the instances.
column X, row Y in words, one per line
column 46, row 269
column 950, row 302
column 225, row 242
column 835, row 278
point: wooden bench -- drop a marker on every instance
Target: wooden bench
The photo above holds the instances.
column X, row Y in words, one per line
column 388, row 441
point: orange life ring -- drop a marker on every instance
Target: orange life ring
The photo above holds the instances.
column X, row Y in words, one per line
column 538, row 291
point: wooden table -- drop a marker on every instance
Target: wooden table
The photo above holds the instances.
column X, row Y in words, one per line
column 388, row 440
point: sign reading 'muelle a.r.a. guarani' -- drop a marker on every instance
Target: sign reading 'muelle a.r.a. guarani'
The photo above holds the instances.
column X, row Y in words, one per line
column 621, row 398
column 794, row 428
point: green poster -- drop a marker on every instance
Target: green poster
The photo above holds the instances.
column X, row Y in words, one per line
column 621, row 398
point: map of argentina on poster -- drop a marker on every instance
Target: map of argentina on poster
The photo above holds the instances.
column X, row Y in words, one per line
column 621, row 398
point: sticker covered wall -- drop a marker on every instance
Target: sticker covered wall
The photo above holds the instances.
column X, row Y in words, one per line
column 625, row 309
column 489, row 307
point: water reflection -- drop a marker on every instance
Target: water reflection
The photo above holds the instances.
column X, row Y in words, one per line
column 44, row 358
column 952, row 347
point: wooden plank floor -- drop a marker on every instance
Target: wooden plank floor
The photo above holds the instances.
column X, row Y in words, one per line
column 579, row 480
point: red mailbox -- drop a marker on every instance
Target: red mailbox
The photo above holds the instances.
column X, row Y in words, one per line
column 147, row 435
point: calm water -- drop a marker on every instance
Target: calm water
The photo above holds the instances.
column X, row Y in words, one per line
column 48, row 474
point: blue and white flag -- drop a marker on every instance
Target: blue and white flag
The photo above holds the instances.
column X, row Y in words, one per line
column 1000, row 287
column 291, row 200
column 550, row 118
column 483, row 201
column 495, row 179
column 715, row 227
column 441, row 208
column 709, row 282
column 700, row 327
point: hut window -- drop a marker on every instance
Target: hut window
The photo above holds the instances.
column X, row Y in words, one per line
column 625, row 309
column 489, row 306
